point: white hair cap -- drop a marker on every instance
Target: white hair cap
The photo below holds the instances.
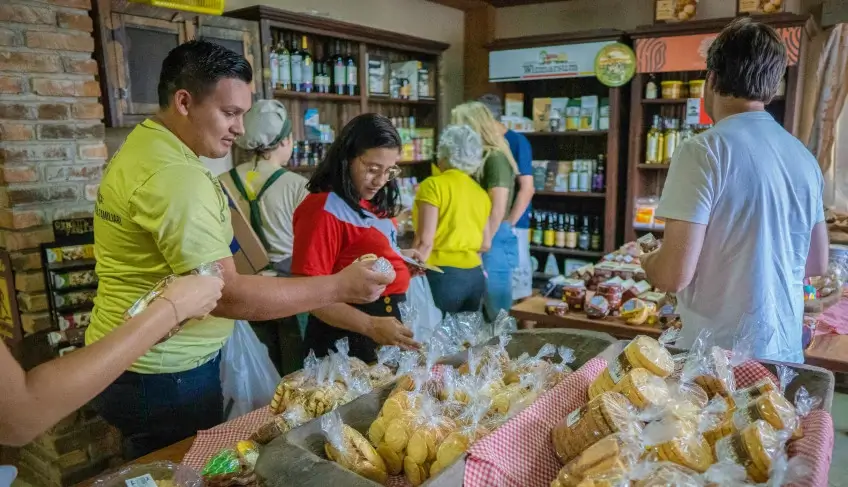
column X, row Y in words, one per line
column 462, row 147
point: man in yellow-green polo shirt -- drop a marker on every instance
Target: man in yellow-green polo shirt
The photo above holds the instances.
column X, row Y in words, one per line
column 159, row 211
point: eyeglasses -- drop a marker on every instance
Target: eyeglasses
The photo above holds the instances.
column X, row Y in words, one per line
column 375, row 171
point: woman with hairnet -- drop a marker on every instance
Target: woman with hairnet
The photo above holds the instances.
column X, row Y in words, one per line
column 450, row 215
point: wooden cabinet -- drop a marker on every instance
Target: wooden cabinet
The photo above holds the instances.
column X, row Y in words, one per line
column 132, row 40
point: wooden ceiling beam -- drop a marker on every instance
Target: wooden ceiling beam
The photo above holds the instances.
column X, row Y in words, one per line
column 464, row 5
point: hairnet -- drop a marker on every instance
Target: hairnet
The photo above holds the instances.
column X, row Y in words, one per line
column 265, row 125
column 461, row 147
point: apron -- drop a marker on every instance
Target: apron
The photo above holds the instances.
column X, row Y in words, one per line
column 255, row 211
column 322, row 337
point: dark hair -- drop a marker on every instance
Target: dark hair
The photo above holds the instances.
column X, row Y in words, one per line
column 366, row 131
column 747, row 60
column 196, row 66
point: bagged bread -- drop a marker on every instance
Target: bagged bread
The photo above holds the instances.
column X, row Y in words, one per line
column 641, row 353
column 608, row 413
column 755, row 448
column 381, row 374
column 347, row 447
column 678, row 441
column 611, row 457
column 280, row 425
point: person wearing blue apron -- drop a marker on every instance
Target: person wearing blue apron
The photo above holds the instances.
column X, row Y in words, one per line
column 269, row 195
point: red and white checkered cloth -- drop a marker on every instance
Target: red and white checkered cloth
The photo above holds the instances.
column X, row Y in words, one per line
column 211, row 441
column 520, row 454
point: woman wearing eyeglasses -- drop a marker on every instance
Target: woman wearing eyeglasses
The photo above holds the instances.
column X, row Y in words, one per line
column 349, row 213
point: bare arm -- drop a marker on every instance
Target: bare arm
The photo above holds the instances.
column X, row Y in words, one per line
column 499, row 198
column 522, row 198
column 819, row 251
column 672, row 266
column 34, row 401
column 428, row 220
column 261, row 298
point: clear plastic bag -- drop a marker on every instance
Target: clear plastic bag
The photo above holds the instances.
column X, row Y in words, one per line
column 248, row 377
column 164, row 474
column 426, row 316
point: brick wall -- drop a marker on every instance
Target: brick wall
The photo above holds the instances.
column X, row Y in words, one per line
column 52, row 149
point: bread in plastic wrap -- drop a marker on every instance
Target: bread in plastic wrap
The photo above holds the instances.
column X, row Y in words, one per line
column 642, row 352
column 755, row 447
column 347, row 447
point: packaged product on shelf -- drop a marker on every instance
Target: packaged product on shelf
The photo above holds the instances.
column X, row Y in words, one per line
column 672, row 89
column 74, row 298
column 637, row 312
column 643, row 214
column 556, row 307
column 589, row 112
column 572, row 114
column 604, row 115
column 675, row 10
column 74, row 320
column 612, row 291
column 597, row 307
column 541, row 114
column 602, row 416
column 70, row 253
column 559, row 110
column 74, row 279
column 347, row 447
column 514, row 104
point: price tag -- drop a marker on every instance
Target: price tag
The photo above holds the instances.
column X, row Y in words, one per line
column 143, row 481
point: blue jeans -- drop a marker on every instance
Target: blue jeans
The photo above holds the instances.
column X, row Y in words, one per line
column 153, row 411
column 499, row 262
column 458, row 290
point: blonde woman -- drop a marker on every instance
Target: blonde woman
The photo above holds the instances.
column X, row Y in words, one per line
column 497, row 177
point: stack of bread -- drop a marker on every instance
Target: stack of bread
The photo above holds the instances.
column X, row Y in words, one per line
column 433, row 415
column 644, row 425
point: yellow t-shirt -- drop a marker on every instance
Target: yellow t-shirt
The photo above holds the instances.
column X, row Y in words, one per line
column 463, row 210
column 159, row 211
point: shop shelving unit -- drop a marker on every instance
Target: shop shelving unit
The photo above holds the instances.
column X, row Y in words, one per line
column 676, row 51
column 569, row 145
column 364, row 43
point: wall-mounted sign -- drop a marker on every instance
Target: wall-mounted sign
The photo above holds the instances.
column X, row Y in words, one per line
column 547, row 62
column 615, row 64
column 759, row 6
column 689, row 53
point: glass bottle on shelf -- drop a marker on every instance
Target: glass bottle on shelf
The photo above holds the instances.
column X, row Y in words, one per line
column 574, row 177
column 598, row 183
column 584, row 181
column 538, row 230
column 326, row 69
column 595, row 239
column 274, row 65
column 651, row 88
column 307, row 68
column 670, row 141
column 351, row 73
column 583, row 238
column 652, row 142
column 560, row 232
column 549, row 235
column 661, row 141
column 571, row 234
column 284, row 57
column 339, row 76
column 296, row 66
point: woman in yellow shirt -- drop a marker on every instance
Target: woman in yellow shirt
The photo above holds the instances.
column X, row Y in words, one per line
column 450, row 215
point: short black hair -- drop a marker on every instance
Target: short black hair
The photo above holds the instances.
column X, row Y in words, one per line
column 196, row 66
column 366, row 131
column 747, row 60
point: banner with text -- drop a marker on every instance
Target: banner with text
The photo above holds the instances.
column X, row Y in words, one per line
column 547, row 62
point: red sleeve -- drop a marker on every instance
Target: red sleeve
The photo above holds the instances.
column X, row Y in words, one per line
column 317, row 238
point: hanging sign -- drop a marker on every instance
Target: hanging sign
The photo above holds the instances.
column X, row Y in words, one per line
column 615, row 64
column 547, row 62
column 689, row 53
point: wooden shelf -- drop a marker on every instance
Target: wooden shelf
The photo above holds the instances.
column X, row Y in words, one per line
column 656, row 167
column 571, row 194
column 567, row 133
column 570, row 252
column 288, row 94
column 398, row 101
column 664, row 101
column 652, row 230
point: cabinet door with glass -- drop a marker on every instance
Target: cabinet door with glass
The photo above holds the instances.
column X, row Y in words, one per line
column 138, row 47
column 240, row 36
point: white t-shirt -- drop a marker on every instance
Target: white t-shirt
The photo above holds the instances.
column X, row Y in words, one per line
column 759, row 191
column 277, row 205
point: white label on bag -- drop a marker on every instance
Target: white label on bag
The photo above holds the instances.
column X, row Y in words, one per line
column 144, row 481
column 573, row 417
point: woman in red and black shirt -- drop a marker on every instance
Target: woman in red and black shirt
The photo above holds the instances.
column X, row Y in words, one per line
column 349, row 213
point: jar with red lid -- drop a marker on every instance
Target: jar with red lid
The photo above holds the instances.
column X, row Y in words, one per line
column 574, row 295
column 613, row 293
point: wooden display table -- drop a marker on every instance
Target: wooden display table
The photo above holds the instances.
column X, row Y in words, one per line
column 828, row 351
column 173, row 453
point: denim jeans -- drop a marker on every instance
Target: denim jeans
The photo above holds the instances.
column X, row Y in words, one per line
column 458, row 290
column 499, row 263
column 153, row 411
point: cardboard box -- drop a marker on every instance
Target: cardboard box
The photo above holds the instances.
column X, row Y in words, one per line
column 249, row 254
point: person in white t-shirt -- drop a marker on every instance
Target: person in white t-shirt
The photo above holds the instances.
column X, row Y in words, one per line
column 270, row 193
column 743, row 208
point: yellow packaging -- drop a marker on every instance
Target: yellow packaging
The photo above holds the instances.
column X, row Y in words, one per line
column 672, row 89
column 696, row 88
column 585, row 426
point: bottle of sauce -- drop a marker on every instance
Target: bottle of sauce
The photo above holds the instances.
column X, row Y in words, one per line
column 549, row 235
column 560, row 232
column 574, row 177
column 595, row 238
column 661, row 142
column 571, row 234
column 537, row 230
column 598, row 183
column 652, row 142
column 670, row 142
column 583, row 239
column 651, row 88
